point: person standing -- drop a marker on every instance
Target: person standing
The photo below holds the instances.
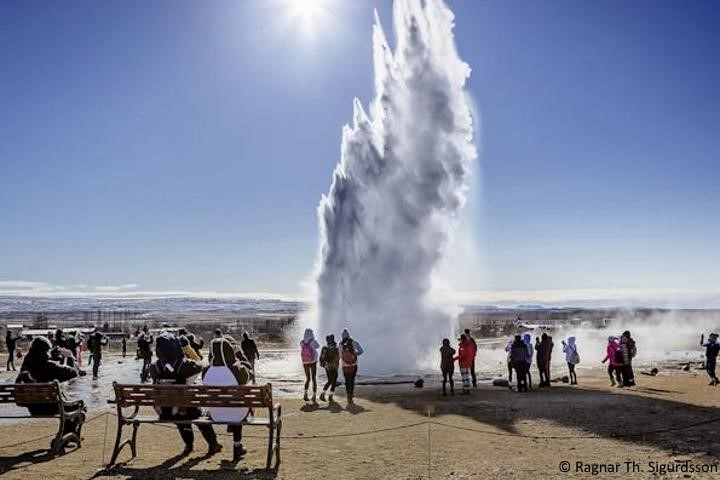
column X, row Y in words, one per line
column 330, row 361
column 447, row 366
column 309, row 356
column 518, row 359
column 95, row 342
column 124, row 346
column 629, row 350
column 614, row 361
column 72, row 345
column 473, row 344
column 251, row 352
column 543, row 347
column 11, row 344
column 571, row 357
column 508, row 348
column 464, row 358
column 712, row 348
column 61, row 351
column 350, row 350
column 527, row 339
column 144, row 342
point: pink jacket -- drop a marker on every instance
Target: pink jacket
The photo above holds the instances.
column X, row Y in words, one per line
column 611, row 349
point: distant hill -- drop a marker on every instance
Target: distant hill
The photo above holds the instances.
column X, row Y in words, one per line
column 159, row 305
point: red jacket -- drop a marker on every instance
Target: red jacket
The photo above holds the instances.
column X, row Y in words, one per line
column 465, row 354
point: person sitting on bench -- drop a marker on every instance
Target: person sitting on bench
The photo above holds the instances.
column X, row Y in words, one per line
column 37, row 367
column 172, row 367
column 228, row 366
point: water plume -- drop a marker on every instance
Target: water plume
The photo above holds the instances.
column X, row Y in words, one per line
column 396, row 194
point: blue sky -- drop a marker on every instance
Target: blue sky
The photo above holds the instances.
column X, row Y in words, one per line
column 168, row 146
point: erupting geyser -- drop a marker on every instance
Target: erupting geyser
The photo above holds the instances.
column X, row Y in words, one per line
column 396, row 194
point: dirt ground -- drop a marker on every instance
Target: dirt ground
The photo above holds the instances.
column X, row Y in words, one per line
column 670, row 419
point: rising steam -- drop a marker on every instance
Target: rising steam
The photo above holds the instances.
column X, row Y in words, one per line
column 396, row 194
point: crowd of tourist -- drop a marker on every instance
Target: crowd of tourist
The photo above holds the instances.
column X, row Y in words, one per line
column 521, row 351
column 177, row 358
column 331, row 358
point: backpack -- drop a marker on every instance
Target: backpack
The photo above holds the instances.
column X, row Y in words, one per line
column 329, row 357
column 349, row 356
column 574, row 357
column 307, row 352
column 323, row 355
column 632, row 349
column 518, row 354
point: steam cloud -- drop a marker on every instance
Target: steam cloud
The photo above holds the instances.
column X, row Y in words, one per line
column 396, row 194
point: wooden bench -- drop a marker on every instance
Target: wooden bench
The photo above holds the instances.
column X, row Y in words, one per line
column 143, row 395
column 25, row 394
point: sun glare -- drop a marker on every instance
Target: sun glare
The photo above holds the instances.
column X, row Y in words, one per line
column 308, row 15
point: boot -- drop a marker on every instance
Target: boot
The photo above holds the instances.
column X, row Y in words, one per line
column 214, row 448
column 322, row 396
column 305, row 397
column 238, row 451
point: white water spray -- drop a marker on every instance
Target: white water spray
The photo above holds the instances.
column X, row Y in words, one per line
column 396, row 195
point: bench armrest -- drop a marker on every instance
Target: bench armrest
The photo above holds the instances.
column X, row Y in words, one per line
column 73, row 415
column 72, row 403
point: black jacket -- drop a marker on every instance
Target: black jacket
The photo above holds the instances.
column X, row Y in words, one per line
column 37, row 367
column 175, row 373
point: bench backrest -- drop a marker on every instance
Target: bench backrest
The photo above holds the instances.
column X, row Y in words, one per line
column 29, row 393
column 144, row 395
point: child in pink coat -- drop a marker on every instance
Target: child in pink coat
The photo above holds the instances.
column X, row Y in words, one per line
column 615, row 361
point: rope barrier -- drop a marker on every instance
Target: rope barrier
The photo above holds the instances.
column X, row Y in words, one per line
column 316, row 437
column 476, row 430
column 415, row 424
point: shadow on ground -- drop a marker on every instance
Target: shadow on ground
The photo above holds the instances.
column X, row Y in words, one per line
column 640, row 417
column 171, row 469
column 27, row 458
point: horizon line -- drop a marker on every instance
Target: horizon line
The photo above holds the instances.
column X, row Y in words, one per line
column 596, row 297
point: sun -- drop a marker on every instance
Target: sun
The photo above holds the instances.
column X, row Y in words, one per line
column 308, row 15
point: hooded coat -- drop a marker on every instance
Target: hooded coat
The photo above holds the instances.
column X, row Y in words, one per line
column 173, row 368
column 37, row 367
column 569, row 349
column 612, row 347
column 447, row 354
column 349, row 344
column 309, row 347
column 226, row 369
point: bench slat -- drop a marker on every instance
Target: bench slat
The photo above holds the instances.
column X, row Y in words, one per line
column 193, row 396
column 29, row 393
column 260, row 421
